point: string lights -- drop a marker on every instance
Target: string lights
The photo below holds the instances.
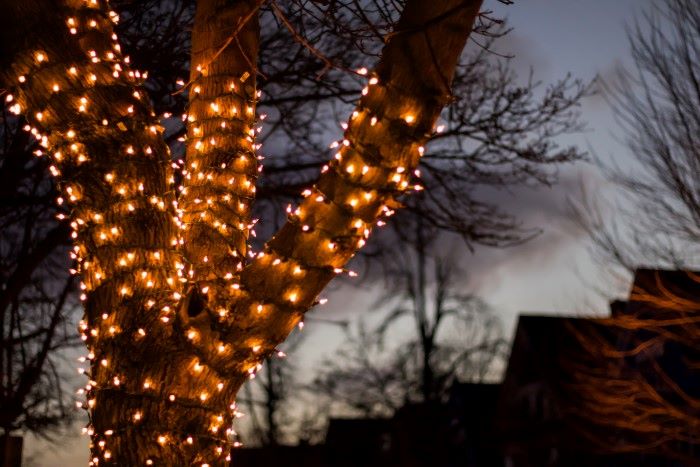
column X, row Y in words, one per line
column 178, row 311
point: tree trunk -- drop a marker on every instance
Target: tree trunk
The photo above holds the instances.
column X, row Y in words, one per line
column 272, row 398
column 10, row 451
column 164, row 370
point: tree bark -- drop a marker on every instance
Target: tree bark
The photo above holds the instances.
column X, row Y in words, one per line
column 164, row 371
column 221, row 165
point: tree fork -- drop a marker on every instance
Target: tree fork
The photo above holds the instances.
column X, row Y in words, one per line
column 161, row 379
column 374, row 164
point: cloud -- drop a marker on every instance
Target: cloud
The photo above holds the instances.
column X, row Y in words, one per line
column 608, row 78
column 545, row 209
column 526, row 54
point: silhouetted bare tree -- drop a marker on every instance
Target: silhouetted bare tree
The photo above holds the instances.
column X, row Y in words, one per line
column 36, row 292
column 265, row 399
column 453, row 334
column 656, row 103
column 632, row 387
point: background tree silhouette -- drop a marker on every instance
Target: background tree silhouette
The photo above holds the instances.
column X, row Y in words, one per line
column 657, row 221
column 453, row 334
column 632, row 386
column 37, row 293
column 265, row 399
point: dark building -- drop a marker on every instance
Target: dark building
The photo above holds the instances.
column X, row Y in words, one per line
column 358, row 441
column 287, row 456
column 535, row 424
column 538, row 422
column 418, row 435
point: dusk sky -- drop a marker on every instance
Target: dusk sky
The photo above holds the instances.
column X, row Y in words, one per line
column 550, row 274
